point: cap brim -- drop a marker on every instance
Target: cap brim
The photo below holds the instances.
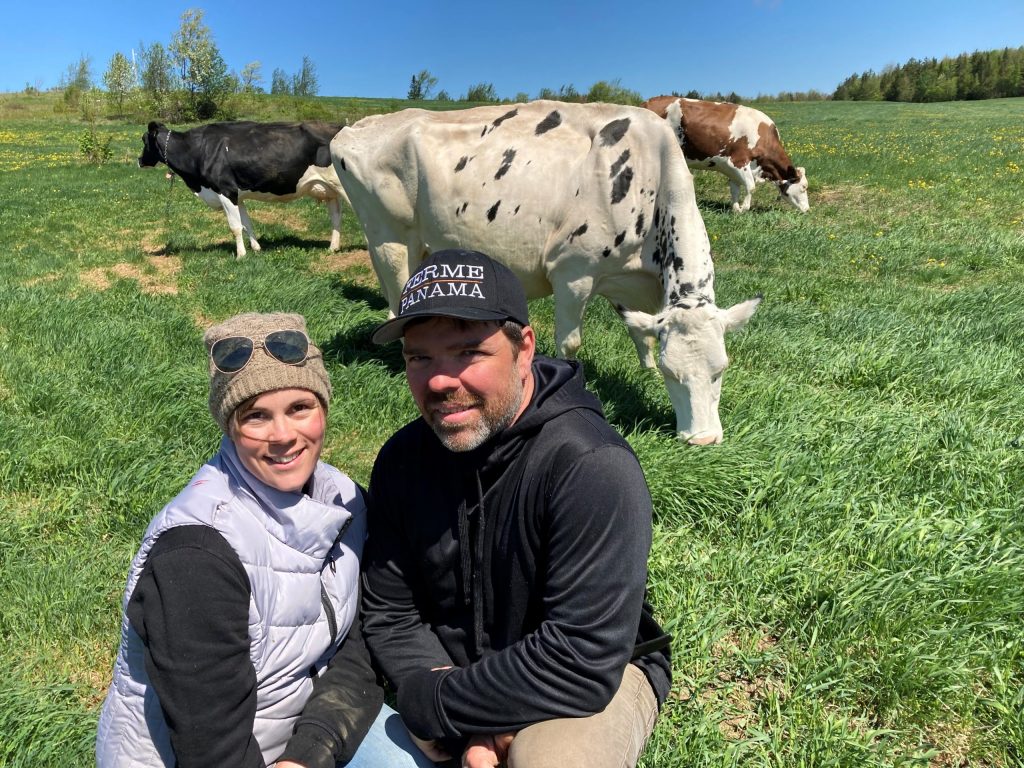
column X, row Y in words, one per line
column 394, row 329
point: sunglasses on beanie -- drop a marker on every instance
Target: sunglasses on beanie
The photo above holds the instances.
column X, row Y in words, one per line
column 232, row 354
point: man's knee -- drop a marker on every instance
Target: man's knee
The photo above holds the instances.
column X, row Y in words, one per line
column 613, row 738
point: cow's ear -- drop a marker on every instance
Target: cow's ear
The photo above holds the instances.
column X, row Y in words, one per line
column 154, row 126
column 640, row 322
column 737, row 315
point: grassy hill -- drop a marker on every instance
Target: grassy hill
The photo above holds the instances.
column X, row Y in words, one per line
column 842, row 577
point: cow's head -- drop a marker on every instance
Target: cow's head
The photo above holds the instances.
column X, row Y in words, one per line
column 153, row 143
column 794, row 189
column 692, row 358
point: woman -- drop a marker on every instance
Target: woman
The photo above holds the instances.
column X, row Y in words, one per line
column 240, row 641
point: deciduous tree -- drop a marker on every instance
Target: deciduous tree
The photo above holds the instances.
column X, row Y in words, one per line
column 119, row 80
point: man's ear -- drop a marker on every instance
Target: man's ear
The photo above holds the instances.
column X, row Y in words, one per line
column 527, row 351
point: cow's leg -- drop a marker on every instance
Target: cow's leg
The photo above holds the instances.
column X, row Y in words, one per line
column 749, row 182
column 741, row 184
column 390, row 261
column 234, row 224
column 247, row 223
column 644, row 347
column 570, row 303
column 734, row 191
column 334, row 208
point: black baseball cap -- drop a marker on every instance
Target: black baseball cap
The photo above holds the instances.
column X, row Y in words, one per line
column 457, row 283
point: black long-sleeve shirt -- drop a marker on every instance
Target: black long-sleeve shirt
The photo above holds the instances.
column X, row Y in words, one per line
column 190, row 607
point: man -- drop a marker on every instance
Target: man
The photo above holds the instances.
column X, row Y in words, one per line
column 510, row 527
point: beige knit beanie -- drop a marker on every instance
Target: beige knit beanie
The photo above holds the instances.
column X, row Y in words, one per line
column 263, row 372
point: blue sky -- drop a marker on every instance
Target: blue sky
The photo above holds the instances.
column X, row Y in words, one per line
column 373, row 48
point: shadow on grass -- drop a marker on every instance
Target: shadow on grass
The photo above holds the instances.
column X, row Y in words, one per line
column 353, row 346
column 350, row 291
column 176, row 245
column 626, row 406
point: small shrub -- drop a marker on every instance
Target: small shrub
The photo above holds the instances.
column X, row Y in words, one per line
column 94, row 146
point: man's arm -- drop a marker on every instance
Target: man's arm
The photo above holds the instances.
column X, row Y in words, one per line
column 190, row 607
column 599, row 537
column 399, row 641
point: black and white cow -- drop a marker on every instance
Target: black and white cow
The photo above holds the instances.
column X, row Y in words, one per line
column 578, row 199
column 227, row 163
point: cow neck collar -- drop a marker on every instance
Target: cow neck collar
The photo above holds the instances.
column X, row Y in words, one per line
column 167, row 145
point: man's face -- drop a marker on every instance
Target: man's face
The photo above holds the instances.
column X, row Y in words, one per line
column 467, row 378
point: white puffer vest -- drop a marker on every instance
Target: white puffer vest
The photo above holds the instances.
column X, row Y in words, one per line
column 289, row 545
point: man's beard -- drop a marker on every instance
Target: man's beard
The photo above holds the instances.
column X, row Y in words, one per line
column 493, row 417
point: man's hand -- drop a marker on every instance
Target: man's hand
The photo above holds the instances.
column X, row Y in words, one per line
column 430, row 748
column 487, row 751
column 288, row 764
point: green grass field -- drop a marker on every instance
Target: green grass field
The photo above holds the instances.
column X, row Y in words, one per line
column 843, row 577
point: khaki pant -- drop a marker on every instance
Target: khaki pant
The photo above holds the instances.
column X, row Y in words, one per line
column 613, row 738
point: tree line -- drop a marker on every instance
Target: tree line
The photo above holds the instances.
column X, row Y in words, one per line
column 980, row 75
column 188, row 79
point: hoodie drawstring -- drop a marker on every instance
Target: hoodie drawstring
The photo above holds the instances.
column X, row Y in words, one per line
column 471, row 551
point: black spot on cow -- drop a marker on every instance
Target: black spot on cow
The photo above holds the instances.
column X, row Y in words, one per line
column 617, row 165
column 464, row 206
column 612, row 133
column 620, row 187
column 640, row 224
column 703, row 282
column 506, row 163
column 493, row 211
column 578, row 231
column 551, row 121
column 515, row 211
column 343, row 166
column 506, row 116
column 619, row 238
column 657, row 217
column 606, row 252
column 462, row 163
column 685, row 288
column 577, row 192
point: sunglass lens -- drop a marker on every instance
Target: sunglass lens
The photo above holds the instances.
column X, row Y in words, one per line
column 231, row 354
column 287, row 346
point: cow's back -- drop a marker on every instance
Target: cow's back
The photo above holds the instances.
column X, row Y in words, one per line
column 261, row 158
column 531, row 184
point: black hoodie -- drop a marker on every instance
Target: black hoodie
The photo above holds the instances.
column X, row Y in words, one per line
column 522, row 565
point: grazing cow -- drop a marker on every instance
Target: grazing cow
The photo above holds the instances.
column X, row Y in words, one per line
column 226, row 163
column 734, row 140
column 578, row 199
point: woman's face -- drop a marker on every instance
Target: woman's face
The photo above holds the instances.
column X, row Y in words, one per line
column 279, row 435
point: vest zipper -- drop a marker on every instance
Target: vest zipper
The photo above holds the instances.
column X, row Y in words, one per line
column 332, row 621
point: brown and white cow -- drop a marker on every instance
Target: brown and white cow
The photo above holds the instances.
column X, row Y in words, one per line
column 734, row 140
column 225, row 164
column 578, row 199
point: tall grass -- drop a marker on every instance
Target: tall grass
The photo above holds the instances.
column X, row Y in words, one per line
column 842, row 576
